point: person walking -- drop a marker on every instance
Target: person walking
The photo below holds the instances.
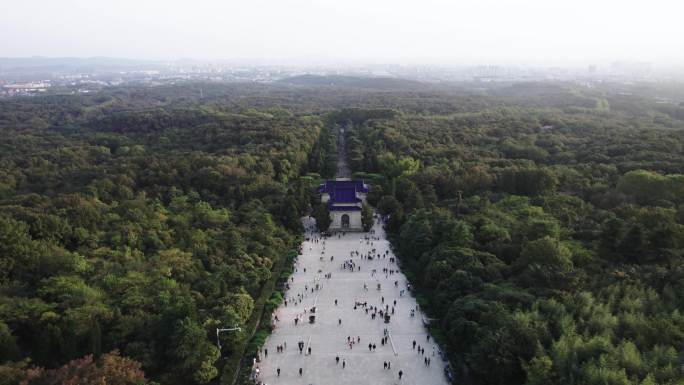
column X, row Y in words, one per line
column 400, row 373
column 344, row 363
column 337, row 360
column 278, row 370
column 300, row 373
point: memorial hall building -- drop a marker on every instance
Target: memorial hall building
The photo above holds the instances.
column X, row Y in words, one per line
column 344, row 198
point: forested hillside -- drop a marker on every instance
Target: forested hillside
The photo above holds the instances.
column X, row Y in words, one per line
column 545, row 236
column 541, row 224
column 140, row 224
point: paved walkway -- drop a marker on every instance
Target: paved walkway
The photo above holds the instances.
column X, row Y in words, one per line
column 328, row 339
column 343, row 170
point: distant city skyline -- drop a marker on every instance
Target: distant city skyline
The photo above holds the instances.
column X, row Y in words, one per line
column 430, row 32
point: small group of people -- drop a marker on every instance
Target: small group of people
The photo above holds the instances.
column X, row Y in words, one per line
column 350, row 265
column 337, row 361
column 351, row 341
column 421, row 350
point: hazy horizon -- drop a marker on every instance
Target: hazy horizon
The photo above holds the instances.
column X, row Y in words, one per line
column 435, row 32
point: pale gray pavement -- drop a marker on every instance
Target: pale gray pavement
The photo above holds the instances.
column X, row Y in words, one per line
column 327, row 339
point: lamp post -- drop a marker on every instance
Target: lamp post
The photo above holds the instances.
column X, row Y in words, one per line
column 218, row 330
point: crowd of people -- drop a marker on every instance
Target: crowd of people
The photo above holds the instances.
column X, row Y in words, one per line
column 382, row 270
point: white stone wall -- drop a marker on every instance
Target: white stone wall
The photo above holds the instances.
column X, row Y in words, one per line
column 354, row 220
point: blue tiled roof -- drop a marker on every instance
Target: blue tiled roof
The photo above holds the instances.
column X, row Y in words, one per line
column 344, row 195
column 330, row 185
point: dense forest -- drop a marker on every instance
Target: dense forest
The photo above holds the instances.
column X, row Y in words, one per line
column 133, row 224
column 542, row 224
column 545, row 236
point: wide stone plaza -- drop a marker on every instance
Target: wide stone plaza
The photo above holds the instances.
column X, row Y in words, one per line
column 322, row 263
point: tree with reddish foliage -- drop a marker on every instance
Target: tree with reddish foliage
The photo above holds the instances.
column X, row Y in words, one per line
column 109, row 369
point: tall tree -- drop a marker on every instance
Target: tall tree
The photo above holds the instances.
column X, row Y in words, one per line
column 322, row 216
column 367, row 220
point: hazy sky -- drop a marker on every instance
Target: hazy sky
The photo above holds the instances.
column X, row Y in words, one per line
column 417, row 31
